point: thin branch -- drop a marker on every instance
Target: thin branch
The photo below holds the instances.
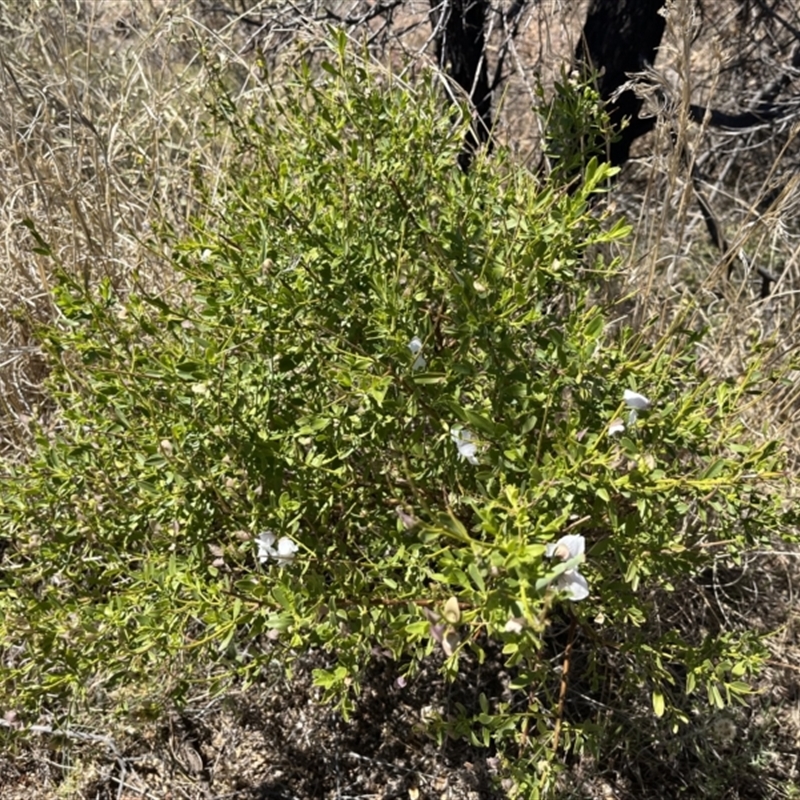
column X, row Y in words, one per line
column 375, row 11
column 67, row 734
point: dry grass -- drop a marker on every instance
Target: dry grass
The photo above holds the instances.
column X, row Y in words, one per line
column 102, row 126
column 102, row 136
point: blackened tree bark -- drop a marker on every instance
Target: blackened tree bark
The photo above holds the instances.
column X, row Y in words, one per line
column 460, row 43
column 620, row 37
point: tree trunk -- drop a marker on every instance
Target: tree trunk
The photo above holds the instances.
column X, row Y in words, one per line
column 459, row 28
column 620, row 37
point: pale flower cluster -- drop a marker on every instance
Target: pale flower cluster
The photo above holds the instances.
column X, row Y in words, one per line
column 571, row 582
column 415, row 346
column 635, row 402
column 464, row 441
column 283, row 551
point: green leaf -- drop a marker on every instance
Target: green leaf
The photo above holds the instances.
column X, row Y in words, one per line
column 658, row 703
column 454, row 527
column 278, row 622
column 429, row 378
column 714, row 470
column 714, row 696
column 477, row 577
column 328, row 679
column 43, row 248
column 480, row 423
column 190, row 370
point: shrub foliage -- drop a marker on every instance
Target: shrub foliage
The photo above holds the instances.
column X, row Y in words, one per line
column 421, row 484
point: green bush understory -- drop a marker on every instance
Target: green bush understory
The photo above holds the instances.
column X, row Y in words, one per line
column 383, row 399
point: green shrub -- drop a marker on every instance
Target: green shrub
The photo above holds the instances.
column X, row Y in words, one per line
column 421, row 482
column 577, row 124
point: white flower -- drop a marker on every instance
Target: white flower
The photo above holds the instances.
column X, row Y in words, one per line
column 284, row 553
column 571, row 581
column 515, row 625
column 264, row 541
column 616, row 426
column 415, row 345
column 636, row 401
column 465, row 444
